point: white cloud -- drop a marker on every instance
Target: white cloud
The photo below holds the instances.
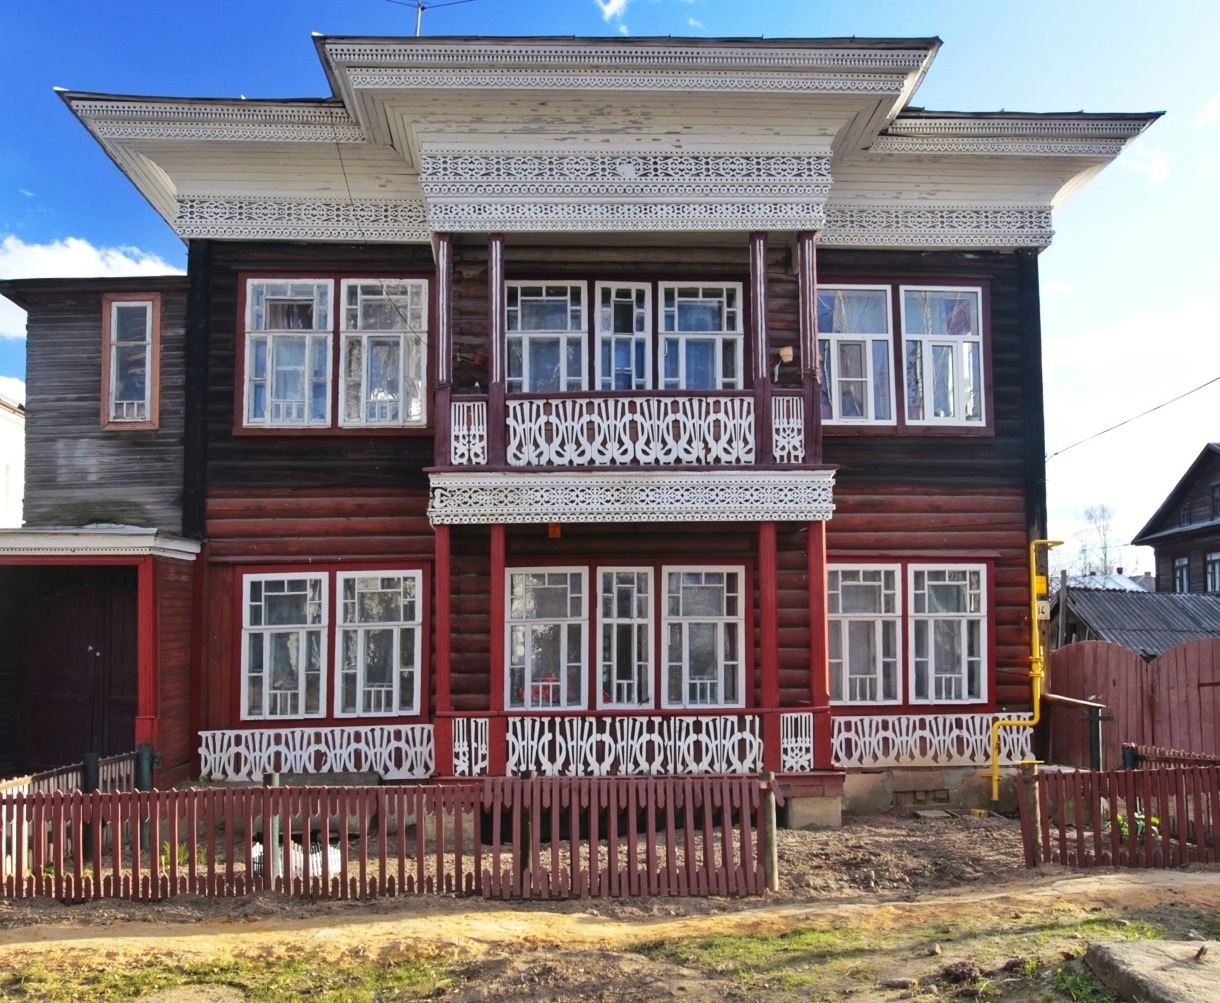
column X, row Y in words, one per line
column 611, row 8
column 1210, row 112
column 70, row 258
column 693, row 23
column 1057, row 287
column 623, row 30
column 1147, row 160
column 12, row 388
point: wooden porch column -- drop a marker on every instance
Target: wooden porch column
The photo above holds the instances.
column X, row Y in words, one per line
column 819, row 652
column 764, row 451
column 147, row 724
column 768, row 598
column 811, row 368
column 442, row 723
column 442, row 413
column 497, row 347
column 497, row 738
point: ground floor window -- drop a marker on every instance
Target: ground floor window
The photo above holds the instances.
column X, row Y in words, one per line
column 285, row 620
column 547, row 617
column 948, row 609
column 864, row 619
column 379, row 643
column 703, row 626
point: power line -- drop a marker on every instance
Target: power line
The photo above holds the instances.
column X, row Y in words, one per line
column 1128, row 421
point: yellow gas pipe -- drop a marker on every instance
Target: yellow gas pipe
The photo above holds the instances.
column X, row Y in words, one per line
column 1036, row 672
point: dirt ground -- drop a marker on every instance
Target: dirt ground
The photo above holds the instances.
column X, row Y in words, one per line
column 904, row 901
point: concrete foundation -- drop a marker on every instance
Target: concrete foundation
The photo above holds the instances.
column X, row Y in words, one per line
column 815, row 813
column 875, row 791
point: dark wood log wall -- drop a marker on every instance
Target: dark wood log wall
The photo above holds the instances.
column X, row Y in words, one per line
column 11, row 672
column 175, row 592
column 76, row 472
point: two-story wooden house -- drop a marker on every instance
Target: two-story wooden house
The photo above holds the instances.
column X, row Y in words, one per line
column 592, row 406
column 1185, row 531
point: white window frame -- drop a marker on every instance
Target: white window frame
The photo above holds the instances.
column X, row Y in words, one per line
column 839, row 622
column 1211, row 571
column 1181, row 575
column 575, row 331
column 416, row 333
column 608, row 336
column 608, row 698
column 345, row 627
column 676, row 340
column 669, row 619
column 872, row 343
column 275, row 337
column 131, row 414
column 963, row 619
column 266, row 631
column 926, row 343
column 533, row 688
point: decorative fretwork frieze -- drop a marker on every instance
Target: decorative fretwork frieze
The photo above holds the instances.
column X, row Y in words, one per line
column 1022, row 146
column 468, row 433
column 631, row 431
column 301, row 218
column 927, row 740
column 635, row 746
column 393, row 752
column 936, row 226
column 470, row 748
column 796, row 742
column 520, row 215
column 235, row 120
column 1097, row 126
column 486, row 497
column 788, row 429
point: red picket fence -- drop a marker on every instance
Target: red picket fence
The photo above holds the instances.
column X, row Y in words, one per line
column 502, row 838
column 1165, row 817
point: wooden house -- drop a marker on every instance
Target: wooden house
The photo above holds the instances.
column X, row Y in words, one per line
column 1184, row 532
column 609, row 406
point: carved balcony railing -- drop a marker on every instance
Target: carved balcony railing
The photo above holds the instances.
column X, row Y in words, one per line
column 927, row 740
column 468, row 434
column 788, row 428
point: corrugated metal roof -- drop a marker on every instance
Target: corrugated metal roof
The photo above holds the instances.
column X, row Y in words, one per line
column 1120, row 583
column 1146, row 622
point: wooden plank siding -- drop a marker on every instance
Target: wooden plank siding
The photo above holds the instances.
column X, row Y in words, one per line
column 12, row 683
column 77, row 472
column 174, row 599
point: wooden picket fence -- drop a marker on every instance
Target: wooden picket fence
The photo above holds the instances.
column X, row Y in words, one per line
column 1163, row 817
column 501, row 838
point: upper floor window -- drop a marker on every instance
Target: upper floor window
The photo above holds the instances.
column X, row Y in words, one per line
column 131, row 360
column 546, row 332
column 1185, row 515
column 948, row 616
column 384, row 352
column 856, row 347
column 943, row 355
column 1216, row 501
column 1211, row 571
column 288, row 349
column 702, row 340
column 1181, row 574
column 624, row 336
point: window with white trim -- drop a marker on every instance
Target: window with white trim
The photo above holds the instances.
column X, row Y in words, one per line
column 864, row 611
column 943, row 355
column 284, row 646
column 1211, row 571
column 624, row 336
column 288, row 353
column 856, row 348
column 379, row 643
column 547, row 616
column 625, row 600
column 948, row 623
column 1181, row 574
column 546, row 335
column 702, row 339
column 703, row 627
column 131, row 360
column 384, row 364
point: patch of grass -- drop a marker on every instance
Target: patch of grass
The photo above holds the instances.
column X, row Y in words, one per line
column 753, row 953
column 275, row 980
column 1080, row 987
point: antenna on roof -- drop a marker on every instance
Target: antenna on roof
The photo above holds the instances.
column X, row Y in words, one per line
column 420, row 7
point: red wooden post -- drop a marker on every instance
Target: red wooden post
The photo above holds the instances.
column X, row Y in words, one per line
column 146, row 729
column 443, row 725
column 819, row 656
column 811, row 370
column 497, row 348
column 497, row 726
column 768, row 598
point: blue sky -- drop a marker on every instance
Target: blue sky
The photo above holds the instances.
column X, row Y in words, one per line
column 1128, row 286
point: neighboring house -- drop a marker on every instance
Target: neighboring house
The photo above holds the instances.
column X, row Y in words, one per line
column 608, row 406
column 1185, row 531
column 12, row 461
column 1148, row 623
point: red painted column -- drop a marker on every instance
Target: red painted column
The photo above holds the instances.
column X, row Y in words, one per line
column 497, row 348
column 147, row 722
column 442, row 722
column 819, row 654
column 768, row 599
column 811, row 369
column 497, row 738
column 763, row 432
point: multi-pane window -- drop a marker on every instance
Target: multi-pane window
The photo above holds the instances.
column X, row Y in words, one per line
column 624, row 337
column 1181, row 574
column 284, row 646
column 130, row 360
column 1211, row 571
column 1216, row 501
column 943, row 355
column 855, row 346
column 625, row 596
column 947, row 633
column 384, row 364
column 546, row 333
column 379, row 638
column 1184, row 515
column 547, row 614
column 701, row 337
column 703, row 626
column 288, row 351
column 864, row 615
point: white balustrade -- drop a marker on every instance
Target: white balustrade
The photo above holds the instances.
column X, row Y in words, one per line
column 788, row 429
column 643, row 431
column 470, row 750
column 468, row 433
column 796, row 742
column 635, row 746
column 393, row 752
column 927, row 740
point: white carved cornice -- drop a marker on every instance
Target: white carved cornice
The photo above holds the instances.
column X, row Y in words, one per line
column 1044, row 126
column 936, row 226
column 524, row 216
column 482, row 498
column 291, row 218
column 236, row 120
column 95, row 541
column 1021, row 146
